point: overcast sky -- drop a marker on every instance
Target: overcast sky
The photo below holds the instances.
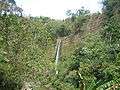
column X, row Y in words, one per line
column 56, row 8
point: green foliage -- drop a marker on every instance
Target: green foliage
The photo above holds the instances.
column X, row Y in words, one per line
column 112, row 25
column 111, row 30
column 23, row 46
column 111, row 7
column 92, row 60
column 6, row 83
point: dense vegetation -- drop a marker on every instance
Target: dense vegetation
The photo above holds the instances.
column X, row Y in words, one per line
column 89, row 60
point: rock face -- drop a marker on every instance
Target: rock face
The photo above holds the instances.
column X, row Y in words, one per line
column 26, row 86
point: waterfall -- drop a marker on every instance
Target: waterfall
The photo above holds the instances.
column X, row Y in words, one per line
column 58, row 53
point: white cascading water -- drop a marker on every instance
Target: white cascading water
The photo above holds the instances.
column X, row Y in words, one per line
column 57, row 55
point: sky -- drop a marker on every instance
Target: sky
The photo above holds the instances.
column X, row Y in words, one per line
column 56, row 8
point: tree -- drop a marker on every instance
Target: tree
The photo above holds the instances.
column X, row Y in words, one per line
column 9, row 6
column 78, row 18
column 111, row 7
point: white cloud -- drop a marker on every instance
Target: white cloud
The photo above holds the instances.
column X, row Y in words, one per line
column 56, row 8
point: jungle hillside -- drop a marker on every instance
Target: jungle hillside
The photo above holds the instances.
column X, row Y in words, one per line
column 81, row 52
